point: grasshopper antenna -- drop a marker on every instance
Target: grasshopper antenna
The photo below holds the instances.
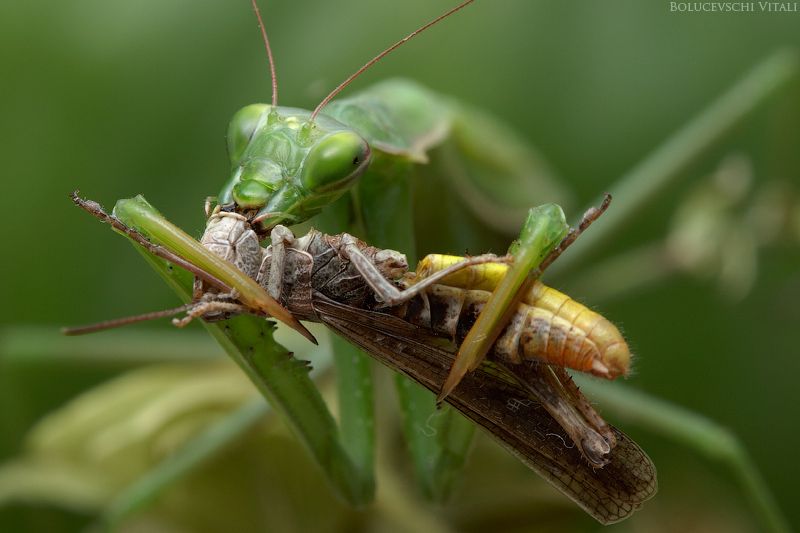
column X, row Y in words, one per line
column 119, row 322
column 380, row 56
column 269, row 54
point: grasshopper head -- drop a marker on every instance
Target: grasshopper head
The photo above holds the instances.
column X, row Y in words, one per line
column 393, row 265
column 286, row 169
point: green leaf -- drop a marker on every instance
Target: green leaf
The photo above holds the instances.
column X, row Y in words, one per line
column 438, row 439
column 283, row 380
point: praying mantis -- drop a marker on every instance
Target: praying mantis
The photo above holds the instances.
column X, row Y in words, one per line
column 379, row 228
column 289, row 165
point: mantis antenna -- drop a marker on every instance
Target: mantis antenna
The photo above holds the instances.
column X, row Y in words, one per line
column 380, row 56
column 269, row 54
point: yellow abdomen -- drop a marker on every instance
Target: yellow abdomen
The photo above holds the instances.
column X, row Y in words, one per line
column 548, row 326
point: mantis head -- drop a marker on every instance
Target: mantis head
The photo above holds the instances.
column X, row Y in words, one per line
column 288, row 164
column 286, row 168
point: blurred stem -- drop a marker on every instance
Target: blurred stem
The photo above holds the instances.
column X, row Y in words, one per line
column 152, row 484
column 354, row 386
column 437, row 439
column 697, row 433
column 643, row 184
column 624, row 273
column 356, row 409
column 399, row 508
column 34, row 344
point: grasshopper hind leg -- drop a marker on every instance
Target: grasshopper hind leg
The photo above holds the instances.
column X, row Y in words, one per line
column 559, row 395
column 376, row 276
column 583, row 406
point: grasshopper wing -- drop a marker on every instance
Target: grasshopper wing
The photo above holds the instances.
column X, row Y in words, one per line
column 491, row 398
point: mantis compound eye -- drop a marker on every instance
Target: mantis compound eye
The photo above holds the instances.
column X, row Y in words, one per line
column 334, row 161
column 242, row 127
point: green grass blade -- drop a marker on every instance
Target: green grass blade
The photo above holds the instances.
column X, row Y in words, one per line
column 354, row 385
column 695, row 432
column 356, row 410
column 645, row 182
column 438, row 440
column 283, row 380
column 123, row 348
column 149, row 486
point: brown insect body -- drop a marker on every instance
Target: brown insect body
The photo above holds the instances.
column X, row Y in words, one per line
column 547, row 326
column 350, row 274
column 535, row 410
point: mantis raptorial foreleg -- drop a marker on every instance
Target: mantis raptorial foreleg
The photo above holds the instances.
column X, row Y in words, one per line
column 97, row 211
column 543, row 238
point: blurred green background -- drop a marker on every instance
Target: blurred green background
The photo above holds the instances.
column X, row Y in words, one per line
column 119, row 98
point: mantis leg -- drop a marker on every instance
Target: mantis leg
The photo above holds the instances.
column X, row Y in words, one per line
column 96, row 210
column 138, row 220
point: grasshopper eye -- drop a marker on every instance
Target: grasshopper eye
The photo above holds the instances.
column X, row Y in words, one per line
column 335, row 159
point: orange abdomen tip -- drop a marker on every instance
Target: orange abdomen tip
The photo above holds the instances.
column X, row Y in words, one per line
column 591, row 342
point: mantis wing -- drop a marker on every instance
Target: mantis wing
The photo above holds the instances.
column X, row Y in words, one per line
column 492, row 171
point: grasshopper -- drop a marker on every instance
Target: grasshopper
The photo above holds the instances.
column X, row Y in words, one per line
column 413, row 321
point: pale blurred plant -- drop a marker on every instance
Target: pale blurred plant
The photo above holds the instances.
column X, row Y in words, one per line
column 715, row 235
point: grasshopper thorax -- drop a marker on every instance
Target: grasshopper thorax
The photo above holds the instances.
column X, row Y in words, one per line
column 285, row 168
column 231, row 237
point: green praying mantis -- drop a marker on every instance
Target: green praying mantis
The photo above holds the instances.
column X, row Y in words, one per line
column 377, row 204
